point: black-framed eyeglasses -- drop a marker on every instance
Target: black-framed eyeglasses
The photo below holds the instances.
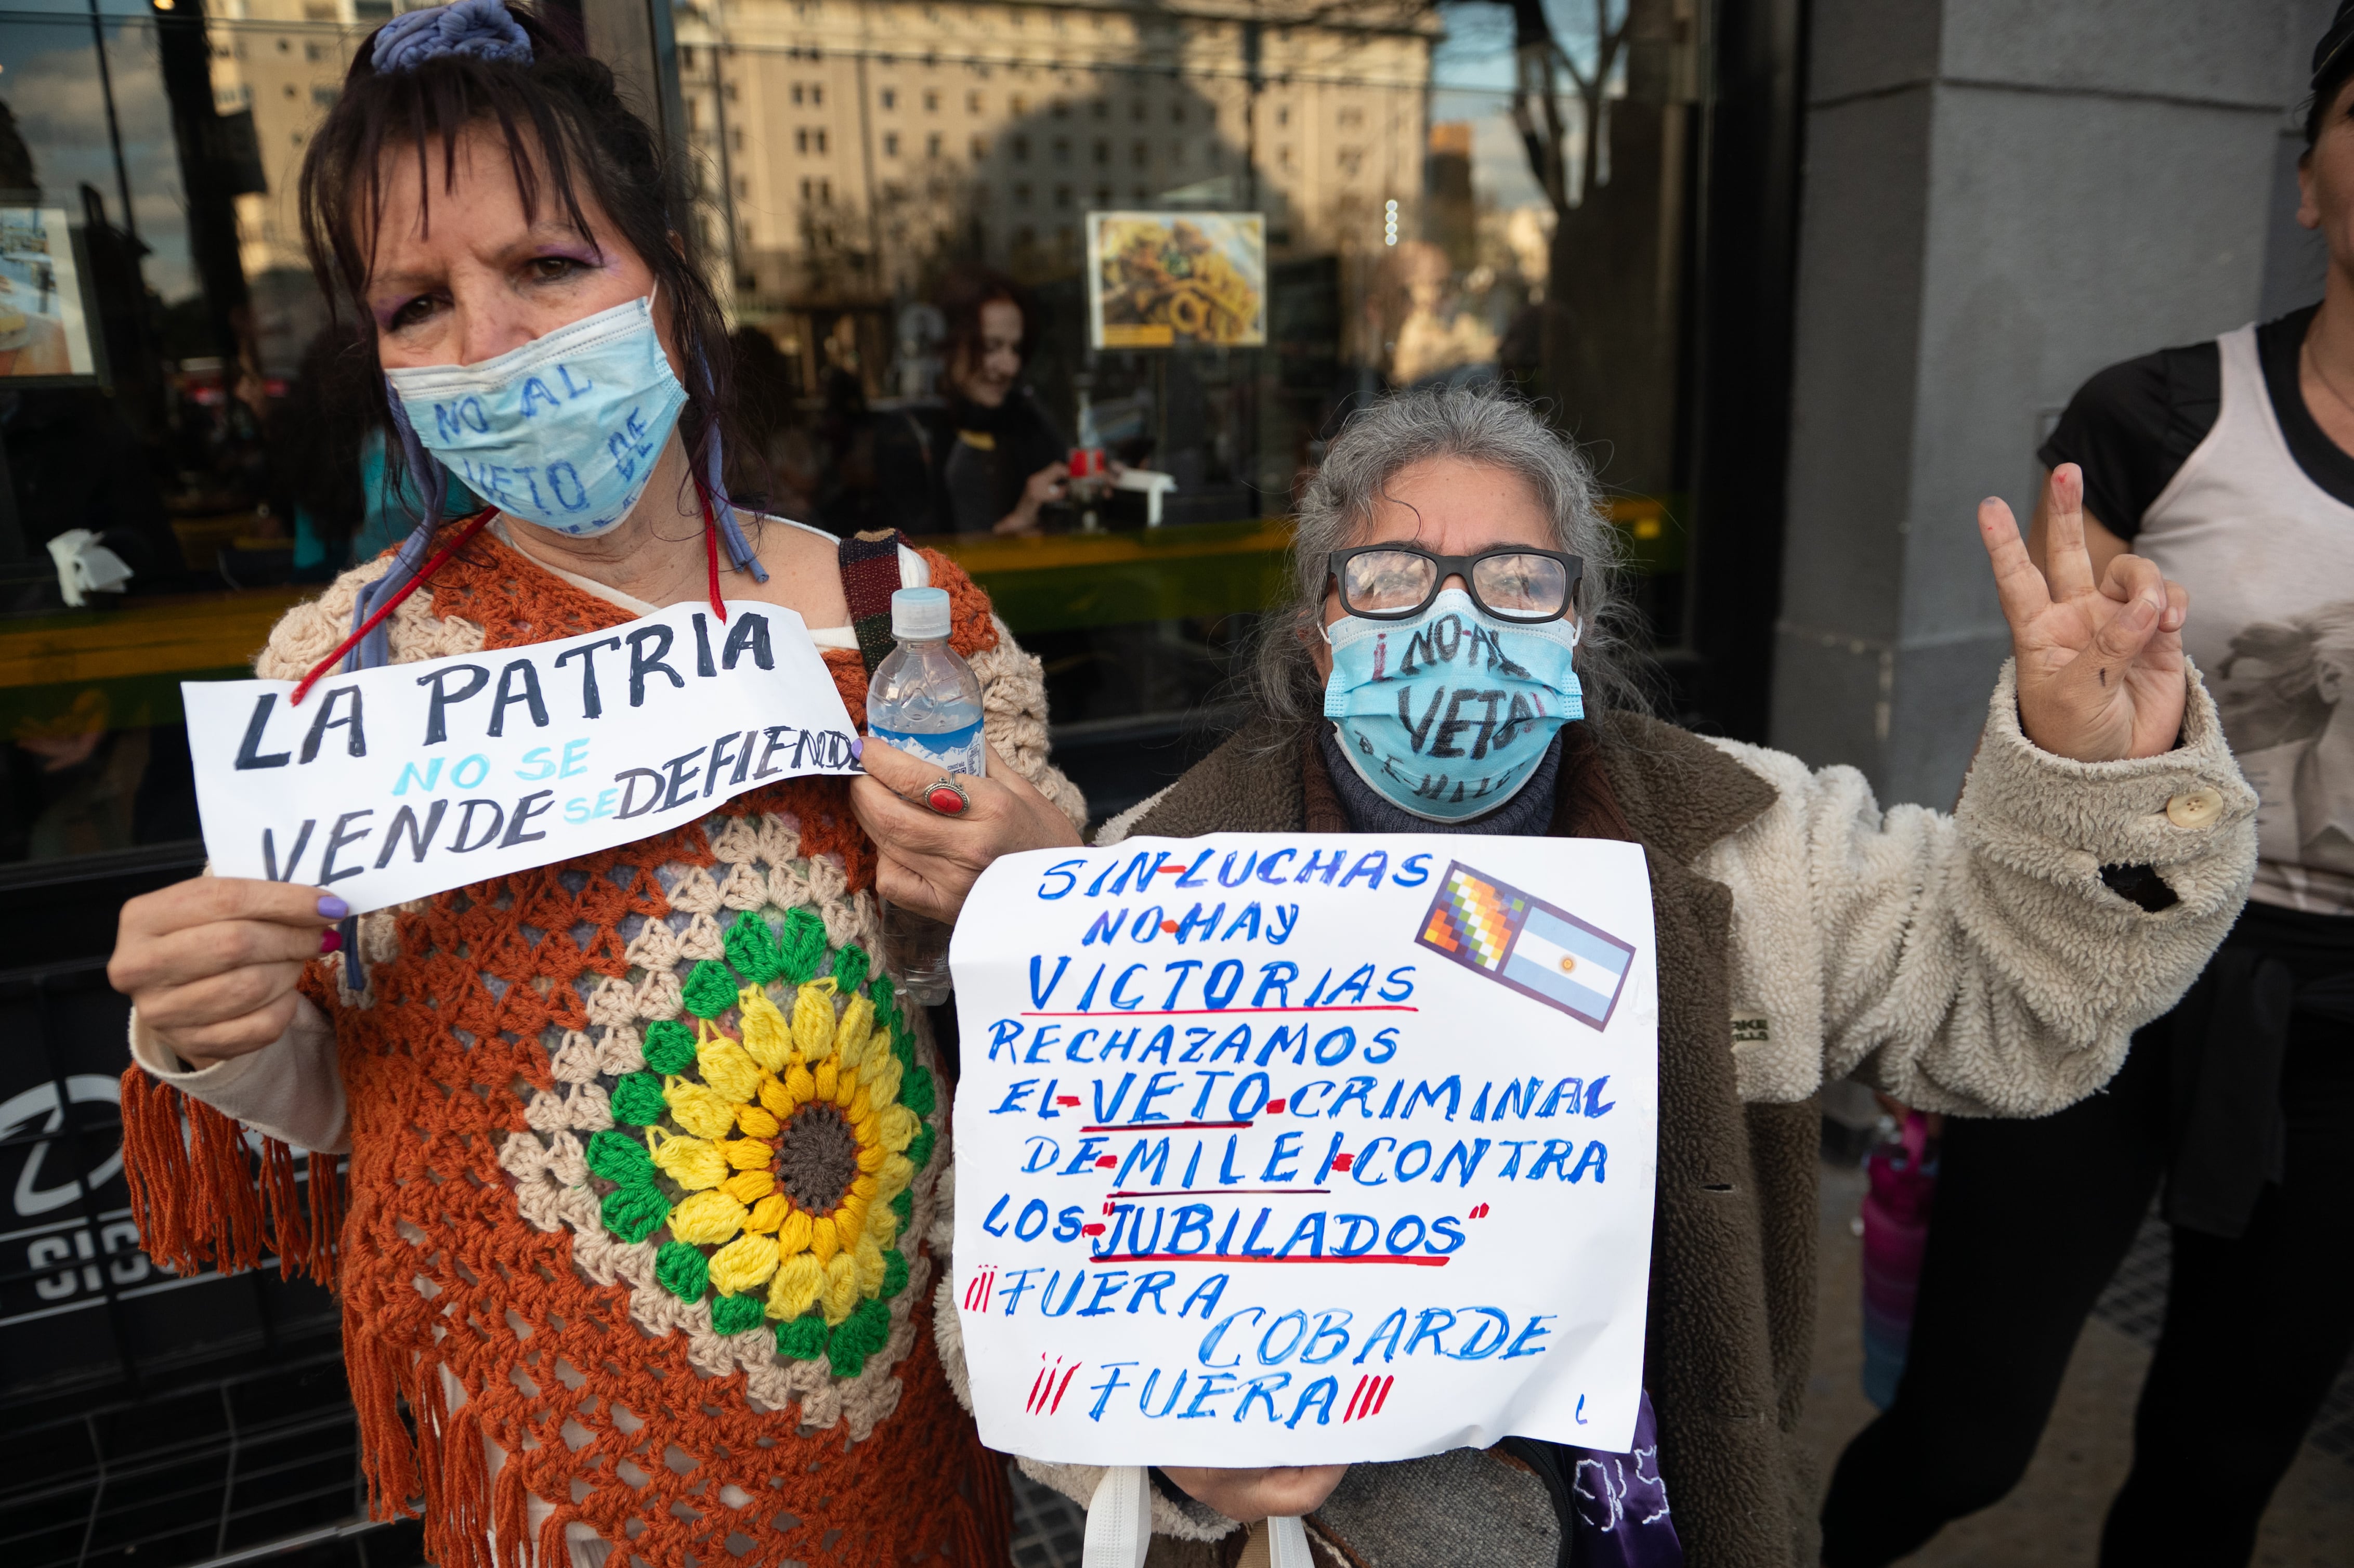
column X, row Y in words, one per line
column 1510, row 582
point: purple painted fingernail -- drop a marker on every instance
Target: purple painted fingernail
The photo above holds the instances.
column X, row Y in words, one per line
column 332, row 908
column 857, row 747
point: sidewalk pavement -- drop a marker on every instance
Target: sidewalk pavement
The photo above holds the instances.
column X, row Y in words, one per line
column 2053, row 1520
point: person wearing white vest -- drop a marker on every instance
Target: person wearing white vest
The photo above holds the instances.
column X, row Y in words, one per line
column 2230, row 464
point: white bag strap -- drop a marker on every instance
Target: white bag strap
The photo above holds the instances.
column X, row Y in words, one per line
column 1286, row 1544
column 1119, row 1526
column 1120, row 1519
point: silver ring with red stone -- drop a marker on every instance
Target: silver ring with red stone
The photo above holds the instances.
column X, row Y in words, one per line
column 947, row 796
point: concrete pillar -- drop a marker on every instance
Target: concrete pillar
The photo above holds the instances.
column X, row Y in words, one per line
column 2001, row 197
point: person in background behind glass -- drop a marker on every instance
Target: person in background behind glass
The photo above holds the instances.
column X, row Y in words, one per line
column 2231, row 464
column 984, row 459
column 327, row 455
column 780, row 465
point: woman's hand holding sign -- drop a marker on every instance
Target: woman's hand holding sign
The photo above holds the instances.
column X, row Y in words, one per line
column 211, row 963
column 2100, row 666
column 928, row 859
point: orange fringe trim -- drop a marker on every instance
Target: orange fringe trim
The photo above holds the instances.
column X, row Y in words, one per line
column 439, row 1469
column 389, row 1456
column 984, row 1526
column 202, row 1201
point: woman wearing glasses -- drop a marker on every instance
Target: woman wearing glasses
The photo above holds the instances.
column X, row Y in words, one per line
column 1452, row 661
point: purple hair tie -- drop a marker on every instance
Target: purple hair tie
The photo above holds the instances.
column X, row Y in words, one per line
column 478, row 28
column 424, row 471
column 740, row 554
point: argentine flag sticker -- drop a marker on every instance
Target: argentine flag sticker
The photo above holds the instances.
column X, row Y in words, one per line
column 1521, row 941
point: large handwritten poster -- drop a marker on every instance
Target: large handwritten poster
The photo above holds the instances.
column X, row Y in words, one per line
column 1305, row 1148
column 394, row 783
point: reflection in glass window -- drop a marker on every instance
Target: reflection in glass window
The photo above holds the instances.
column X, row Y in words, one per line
column 197, row 370
column 1412, row 233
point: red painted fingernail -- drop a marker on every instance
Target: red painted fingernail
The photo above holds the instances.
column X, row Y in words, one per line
column 331, row 941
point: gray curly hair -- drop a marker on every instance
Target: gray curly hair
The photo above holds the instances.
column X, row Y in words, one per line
column 1489, row 426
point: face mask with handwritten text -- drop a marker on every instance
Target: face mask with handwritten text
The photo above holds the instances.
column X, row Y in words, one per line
column 563, row 431
column 1448, row 715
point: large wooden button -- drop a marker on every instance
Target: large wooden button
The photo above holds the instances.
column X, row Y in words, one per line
column 2195, row 808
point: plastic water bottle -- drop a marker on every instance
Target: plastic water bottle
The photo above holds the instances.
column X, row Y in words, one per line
column 925, row 701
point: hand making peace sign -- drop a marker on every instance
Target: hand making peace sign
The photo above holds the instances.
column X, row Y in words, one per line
column 2100, row 666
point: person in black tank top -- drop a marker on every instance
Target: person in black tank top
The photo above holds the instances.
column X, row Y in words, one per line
column 2231, row 464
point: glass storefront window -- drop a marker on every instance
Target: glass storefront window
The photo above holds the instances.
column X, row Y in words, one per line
column 1223, row 230
column 1433, row 209
column 168, row 139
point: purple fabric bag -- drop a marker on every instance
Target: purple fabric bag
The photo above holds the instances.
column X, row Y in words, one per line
column 1621, row 1505
column 1902, row 1173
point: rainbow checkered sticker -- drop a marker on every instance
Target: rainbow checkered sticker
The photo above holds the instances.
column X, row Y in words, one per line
column 1544, row 953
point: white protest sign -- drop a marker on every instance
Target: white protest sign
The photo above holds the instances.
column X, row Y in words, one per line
column 398, row 782
column 1306, row 1149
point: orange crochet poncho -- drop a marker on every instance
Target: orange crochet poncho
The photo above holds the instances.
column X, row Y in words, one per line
column 643, row 1160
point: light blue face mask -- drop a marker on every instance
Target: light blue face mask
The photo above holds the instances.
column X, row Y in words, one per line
column 564, row 431
column 1448, row 715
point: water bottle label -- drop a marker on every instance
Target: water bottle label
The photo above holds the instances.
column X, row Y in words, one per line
column 950, row 750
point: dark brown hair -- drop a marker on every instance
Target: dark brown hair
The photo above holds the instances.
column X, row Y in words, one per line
column 961, row 297
column 2325, row 93
column 566, row 131
column 317, row 429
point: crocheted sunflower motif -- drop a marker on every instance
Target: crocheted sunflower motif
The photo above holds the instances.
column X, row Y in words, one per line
column 782, row 1121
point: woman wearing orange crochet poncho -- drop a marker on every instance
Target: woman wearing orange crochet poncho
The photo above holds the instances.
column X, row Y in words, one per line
column 568, row 1339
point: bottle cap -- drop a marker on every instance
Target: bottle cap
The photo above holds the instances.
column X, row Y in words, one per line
column 919, row 612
